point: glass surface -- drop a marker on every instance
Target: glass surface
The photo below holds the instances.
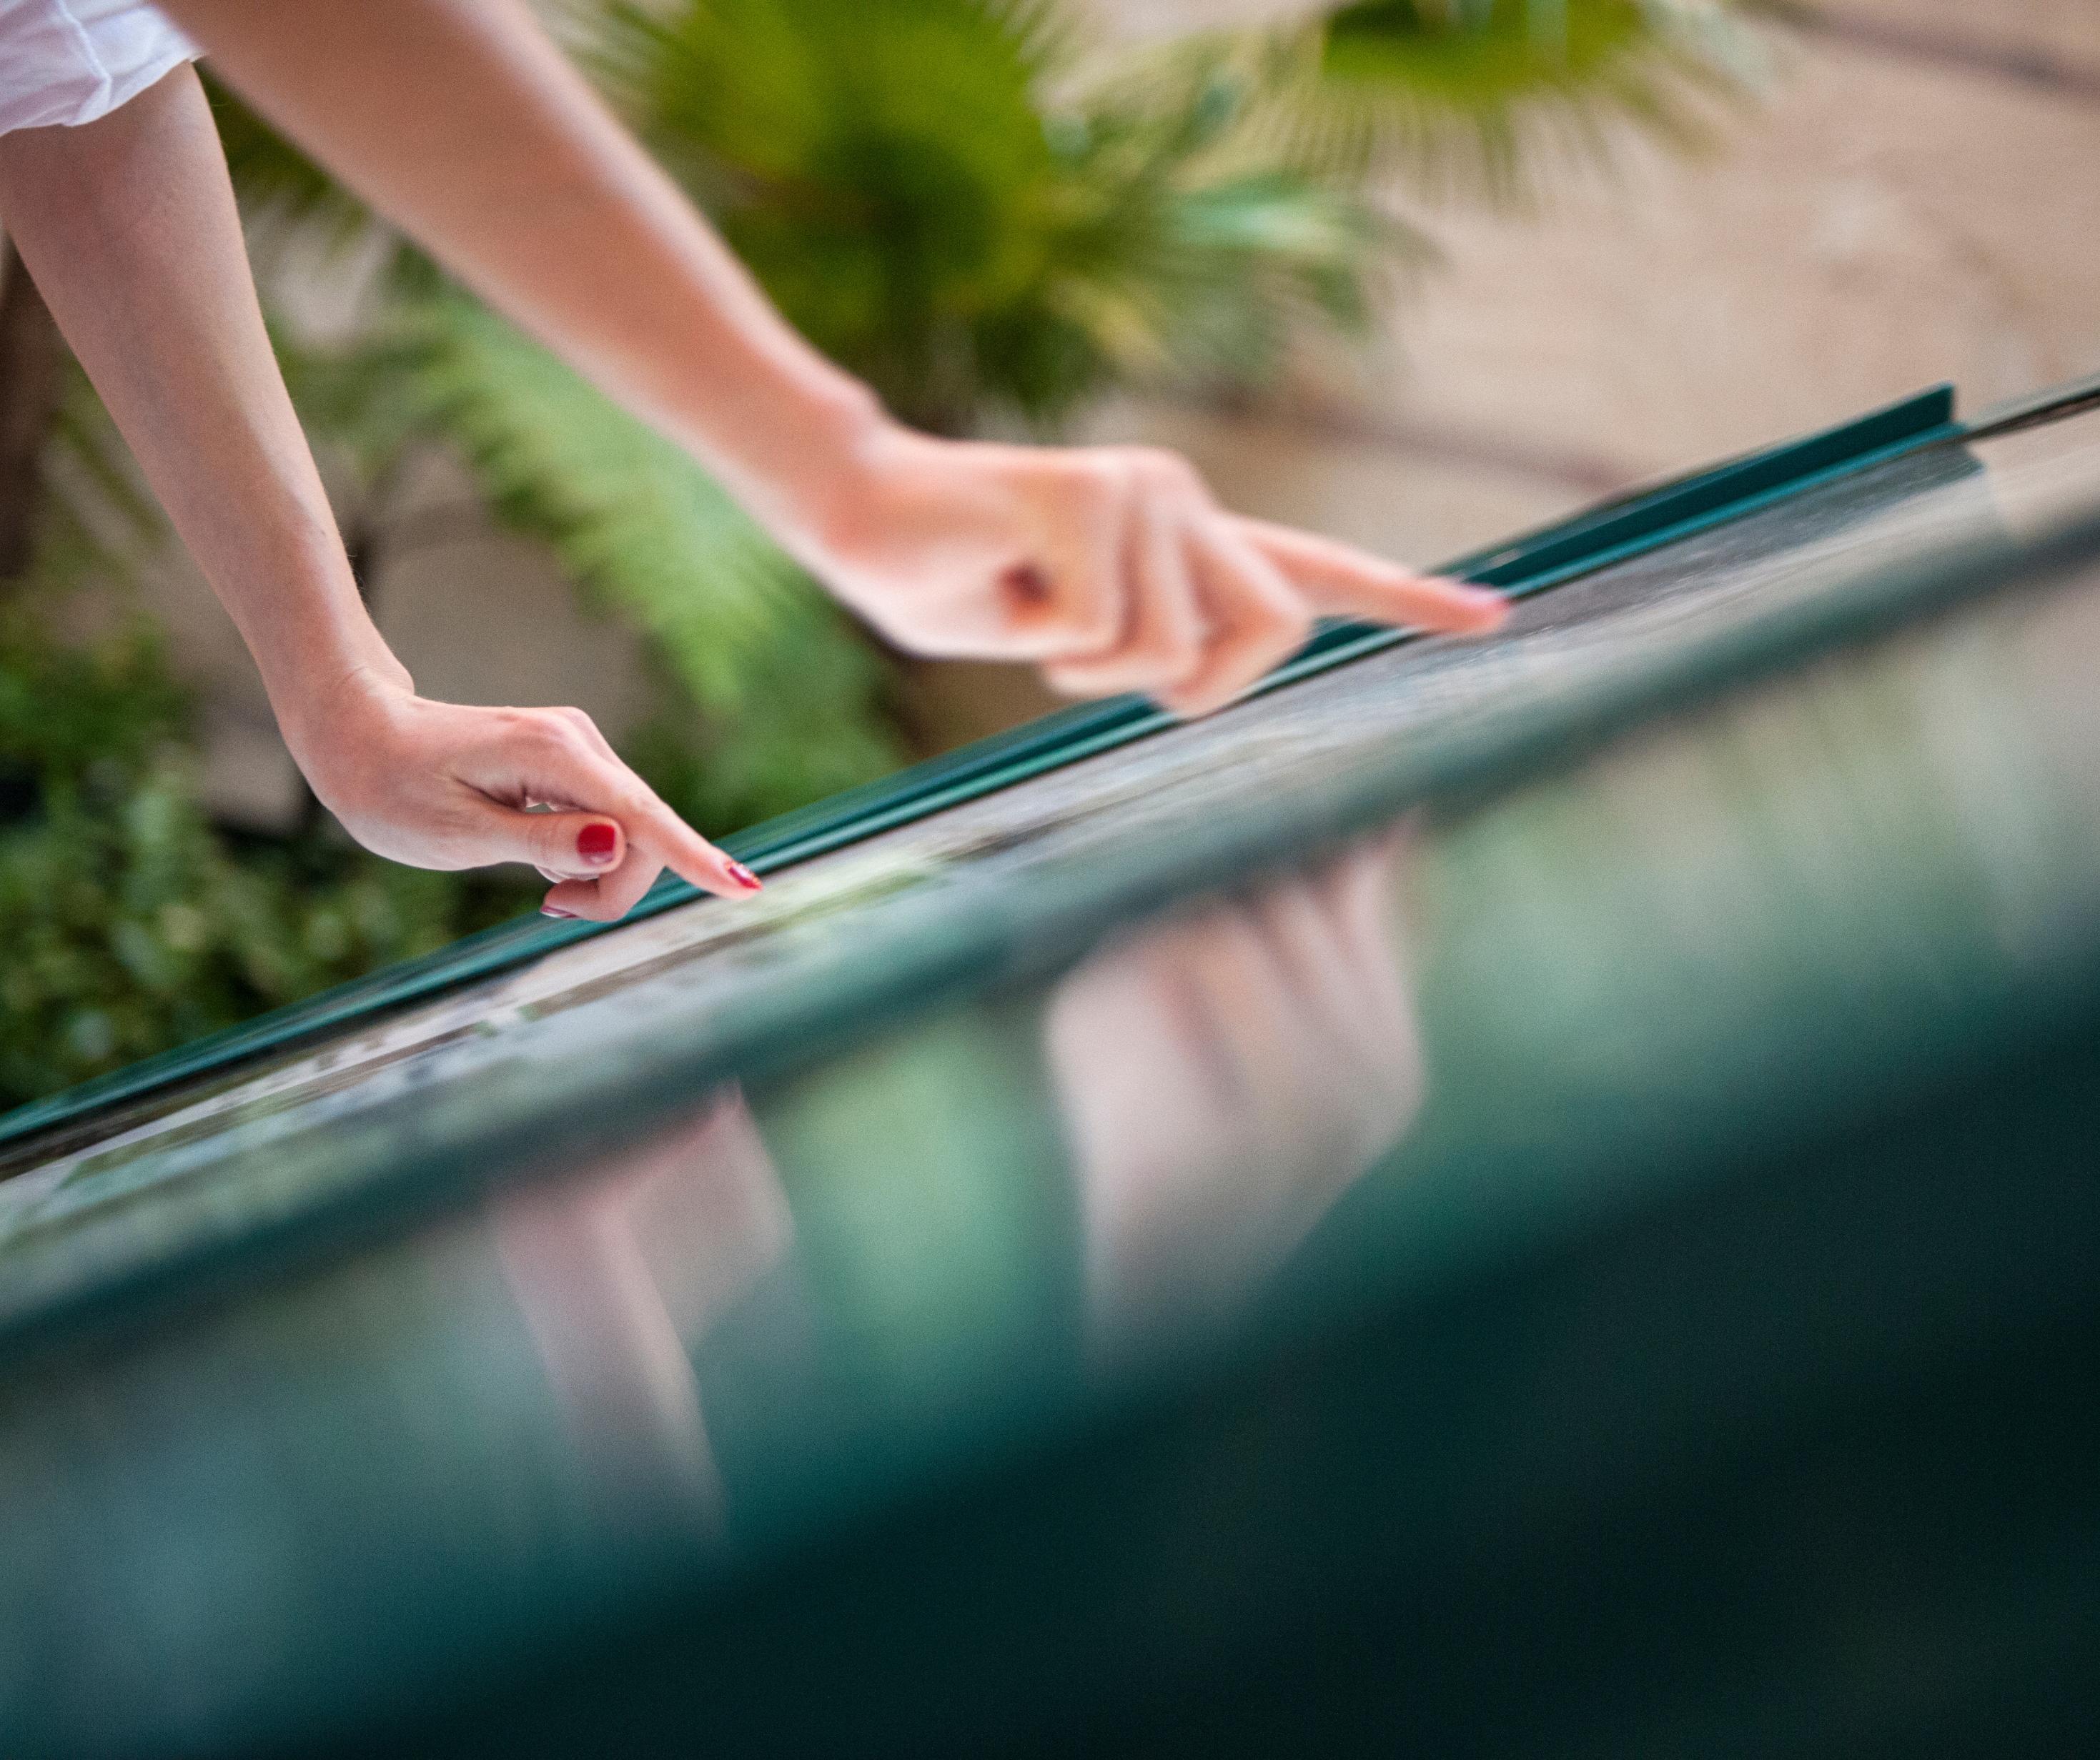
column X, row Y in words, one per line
column 1192, row 808
column 339, row 1384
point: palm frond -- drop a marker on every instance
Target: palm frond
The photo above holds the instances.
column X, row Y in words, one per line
column 922, row 192
column 1187, row 258
column 1480, row 98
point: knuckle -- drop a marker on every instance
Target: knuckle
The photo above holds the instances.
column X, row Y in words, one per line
column 538, row 739
column 555, row 724
column 1175, row 660
column 1168, row 469
column 1103, row 472
column 1289, row 623
column 1097, row 622
column 551, row 839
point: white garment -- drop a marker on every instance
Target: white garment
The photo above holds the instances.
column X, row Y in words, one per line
column 70, row 61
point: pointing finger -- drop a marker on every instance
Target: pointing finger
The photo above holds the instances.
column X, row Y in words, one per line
column 1340, row 579
column 645, row 834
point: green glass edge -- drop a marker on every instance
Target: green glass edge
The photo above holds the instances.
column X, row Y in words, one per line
column 1531, row 562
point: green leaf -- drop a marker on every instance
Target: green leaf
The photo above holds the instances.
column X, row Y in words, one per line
column 1482, row 98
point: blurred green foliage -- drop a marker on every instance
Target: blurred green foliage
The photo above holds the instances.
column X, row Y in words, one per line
column 1486, row 97
column 935, row 195
column 962, row 201
column 128, row 923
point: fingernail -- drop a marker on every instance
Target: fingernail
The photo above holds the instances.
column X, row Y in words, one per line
column 555, row 910
column 594, row 843
column 743, row 876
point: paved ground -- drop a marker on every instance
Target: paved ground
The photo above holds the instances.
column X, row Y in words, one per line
column 1916, row 198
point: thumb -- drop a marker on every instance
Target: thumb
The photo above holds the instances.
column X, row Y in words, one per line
column 562, row 846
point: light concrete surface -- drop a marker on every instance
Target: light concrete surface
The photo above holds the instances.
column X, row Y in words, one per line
column 1881, row 222
column 481, row 615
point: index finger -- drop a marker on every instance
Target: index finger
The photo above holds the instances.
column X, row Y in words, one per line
column 655, row 834
column 668, row 839
column 1338, row 579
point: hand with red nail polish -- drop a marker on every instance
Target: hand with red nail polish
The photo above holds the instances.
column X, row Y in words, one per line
column 1114, row 569
column 445, row 785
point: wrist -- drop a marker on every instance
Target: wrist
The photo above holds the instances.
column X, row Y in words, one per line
column 809, row 470
column 850, row 501
column 324, row 708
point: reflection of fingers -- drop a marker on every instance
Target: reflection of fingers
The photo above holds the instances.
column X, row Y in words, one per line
column 1334, row 578
column 1315, row 946
column 1362, row 883
column 1255, row 621
column 1166, row 634
column 1349, row 899
column 1258, row 1023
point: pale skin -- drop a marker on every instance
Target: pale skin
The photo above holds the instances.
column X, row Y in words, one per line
column 1112, row 569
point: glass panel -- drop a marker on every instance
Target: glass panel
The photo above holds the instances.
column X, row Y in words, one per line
column 647, row 1266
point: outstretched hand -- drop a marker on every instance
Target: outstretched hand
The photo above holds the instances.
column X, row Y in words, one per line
column 448, row 786
column 1111, row 567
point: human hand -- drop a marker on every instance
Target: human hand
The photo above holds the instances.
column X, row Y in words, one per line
column 1224, row 1077
column 619, row 1272
column 1111, row 567
column 448, row 786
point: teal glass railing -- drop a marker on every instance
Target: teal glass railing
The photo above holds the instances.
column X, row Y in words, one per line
column 1519, row 1196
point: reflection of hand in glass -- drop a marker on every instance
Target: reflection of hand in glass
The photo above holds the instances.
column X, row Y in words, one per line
column 619, row 1272
column 1226, row 1078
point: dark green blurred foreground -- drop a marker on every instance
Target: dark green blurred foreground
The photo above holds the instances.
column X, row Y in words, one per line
column 1534, row 1197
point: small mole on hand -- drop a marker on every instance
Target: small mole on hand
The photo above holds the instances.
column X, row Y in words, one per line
column 1026, row 584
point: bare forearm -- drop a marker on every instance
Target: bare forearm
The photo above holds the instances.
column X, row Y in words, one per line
column 462, row 122
column 130, row 229
column 128, row 224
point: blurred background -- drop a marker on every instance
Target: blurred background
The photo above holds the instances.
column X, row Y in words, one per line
column 1418, row 273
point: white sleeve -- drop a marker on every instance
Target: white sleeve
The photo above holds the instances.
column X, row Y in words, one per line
column 70, row 61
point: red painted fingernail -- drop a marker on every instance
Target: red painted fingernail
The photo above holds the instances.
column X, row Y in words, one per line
column 555, row 910
column 594, row 843
column 744, row 875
